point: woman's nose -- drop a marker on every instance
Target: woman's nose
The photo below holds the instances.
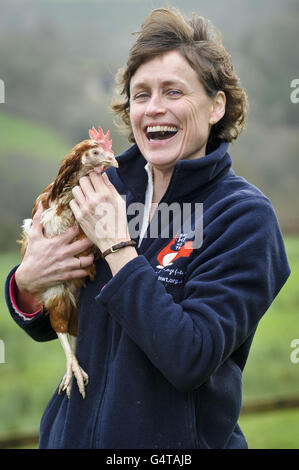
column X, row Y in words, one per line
column 155, row 106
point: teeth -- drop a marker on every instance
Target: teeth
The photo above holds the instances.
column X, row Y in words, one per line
column 161, row 129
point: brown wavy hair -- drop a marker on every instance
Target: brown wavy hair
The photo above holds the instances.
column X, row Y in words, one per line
column 200, row 44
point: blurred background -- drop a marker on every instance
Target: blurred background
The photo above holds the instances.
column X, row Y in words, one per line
column 58, row 61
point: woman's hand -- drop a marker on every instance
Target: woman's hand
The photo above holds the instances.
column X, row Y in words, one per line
column 49, row 261
column 100, row 211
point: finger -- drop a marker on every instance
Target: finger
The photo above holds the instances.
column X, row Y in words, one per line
column 86, row 261
column 86, row 185
column 37, row 225
column 82, row 262
column 75, row 208
column 101, row 183
column 68, row 272
column 73, row 274
column 108, row 183
column 107, row 180
column 77, row 247
column 68, row 235
column 39, row 211
column 97, row 180
column 78, row 195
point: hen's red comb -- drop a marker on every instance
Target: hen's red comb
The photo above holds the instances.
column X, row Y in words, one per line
column 101, row 138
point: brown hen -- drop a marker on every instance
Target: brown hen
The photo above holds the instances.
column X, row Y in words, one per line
column 60, row 301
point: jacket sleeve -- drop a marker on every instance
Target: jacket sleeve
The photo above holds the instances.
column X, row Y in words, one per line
column 232, row 280
column 38, row 326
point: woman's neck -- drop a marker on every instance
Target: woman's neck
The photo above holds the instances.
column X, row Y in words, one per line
column 161, row 181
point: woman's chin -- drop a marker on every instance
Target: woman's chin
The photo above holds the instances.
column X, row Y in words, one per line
column 162, row 160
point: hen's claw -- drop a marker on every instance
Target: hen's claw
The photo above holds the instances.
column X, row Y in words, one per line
column 73, row 369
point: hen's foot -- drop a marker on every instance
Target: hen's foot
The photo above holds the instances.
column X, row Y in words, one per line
column 73, row 369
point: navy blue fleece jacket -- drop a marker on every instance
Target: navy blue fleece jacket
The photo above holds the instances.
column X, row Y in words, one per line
column 166, row 339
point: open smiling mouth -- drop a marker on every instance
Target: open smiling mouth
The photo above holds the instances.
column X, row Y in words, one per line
column 160, row 132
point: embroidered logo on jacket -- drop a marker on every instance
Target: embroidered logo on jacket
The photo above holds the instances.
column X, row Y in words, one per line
column 178, row 247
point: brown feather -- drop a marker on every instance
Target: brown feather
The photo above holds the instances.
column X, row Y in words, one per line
column 69, row 169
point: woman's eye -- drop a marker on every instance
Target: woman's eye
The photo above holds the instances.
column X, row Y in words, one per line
column 141, row 96
column 174, row 93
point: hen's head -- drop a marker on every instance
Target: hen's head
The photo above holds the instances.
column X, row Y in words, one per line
column 96, row 153
column 92, row 154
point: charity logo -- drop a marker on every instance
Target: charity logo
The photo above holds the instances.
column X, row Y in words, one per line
column 177, row 248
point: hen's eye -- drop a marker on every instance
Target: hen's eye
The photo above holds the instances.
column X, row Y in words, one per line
column 95, row 152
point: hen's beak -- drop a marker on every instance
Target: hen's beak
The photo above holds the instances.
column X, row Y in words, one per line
column 111, row 161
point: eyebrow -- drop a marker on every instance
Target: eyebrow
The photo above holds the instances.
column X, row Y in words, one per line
column 168, row 82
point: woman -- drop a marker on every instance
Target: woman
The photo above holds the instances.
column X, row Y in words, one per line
column 166, row 327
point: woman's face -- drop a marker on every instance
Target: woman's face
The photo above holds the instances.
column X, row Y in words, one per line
column 170, row 111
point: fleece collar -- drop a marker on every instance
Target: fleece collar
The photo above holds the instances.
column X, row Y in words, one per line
column 188, row 177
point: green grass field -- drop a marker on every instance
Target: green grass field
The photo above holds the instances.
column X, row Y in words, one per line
column 269, row 370
column 30, row 138
column 30, row 156
column 33, row 370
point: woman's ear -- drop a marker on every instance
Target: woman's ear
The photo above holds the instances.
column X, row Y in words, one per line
column 218, row 108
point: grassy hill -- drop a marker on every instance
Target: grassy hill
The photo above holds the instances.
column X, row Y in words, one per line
column 25, row 137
